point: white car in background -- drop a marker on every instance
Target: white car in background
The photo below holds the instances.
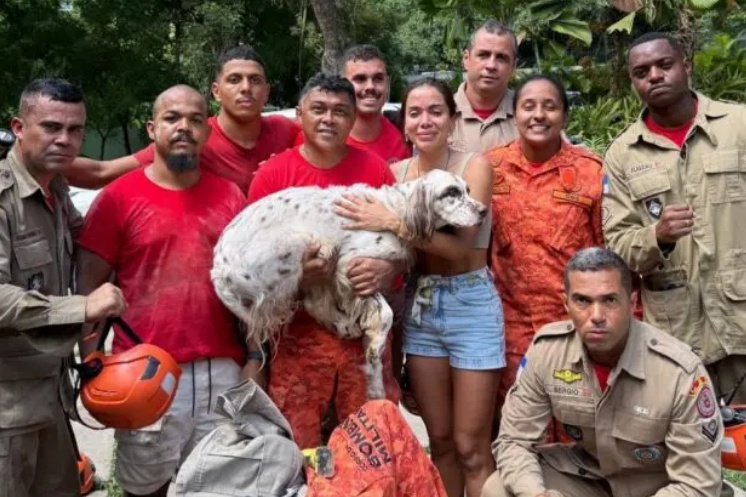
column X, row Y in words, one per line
column 82, row 199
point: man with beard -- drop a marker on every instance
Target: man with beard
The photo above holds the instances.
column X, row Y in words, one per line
column 241, row 137
column 675, row 209
column 154, row 230
column 484, row 102
column 311, row 365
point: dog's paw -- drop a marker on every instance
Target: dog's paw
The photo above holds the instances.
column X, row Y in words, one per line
column 372, row 356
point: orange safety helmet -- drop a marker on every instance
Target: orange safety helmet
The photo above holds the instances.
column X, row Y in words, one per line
column 733, row 448
column 132, row 389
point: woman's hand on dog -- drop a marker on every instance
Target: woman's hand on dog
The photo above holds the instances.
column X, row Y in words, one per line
column 366, row 213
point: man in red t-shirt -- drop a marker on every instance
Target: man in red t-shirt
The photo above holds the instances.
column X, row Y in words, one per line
column 241, row 138
column 365, row 68
column 311, row 364
column 155, row 229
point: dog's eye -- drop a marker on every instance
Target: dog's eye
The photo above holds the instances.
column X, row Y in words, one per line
column 451, row 192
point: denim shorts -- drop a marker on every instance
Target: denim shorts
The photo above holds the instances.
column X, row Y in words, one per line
column 459, row 317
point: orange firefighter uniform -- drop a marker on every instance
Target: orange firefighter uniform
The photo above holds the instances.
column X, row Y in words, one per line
column 376, row 455
column 309, row 359
column 542, row 215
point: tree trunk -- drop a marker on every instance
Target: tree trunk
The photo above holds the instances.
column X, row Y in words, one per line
column 687, row 27
column 619, row 83
column 126, row 137
column 102, row 148
column 335, row 20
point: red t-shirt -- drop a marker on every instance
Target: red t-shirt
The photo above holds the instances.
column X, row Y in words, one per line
column 228, row 159
column 602, row 373
column 484, row 113
column 677, row 135
column 290, row 169
column 160, row 243
column 388, row 145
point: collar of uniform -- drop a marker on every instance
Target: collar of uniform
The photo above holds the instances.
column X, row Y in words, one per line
column 464, row 108
column 633, row 357
column 563, row 157
column 27, row 185
column 706, row 109
column 577, row 354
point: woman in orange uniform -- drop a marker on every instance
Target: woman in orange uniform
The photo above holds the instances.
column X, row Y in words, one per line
column 546, row 204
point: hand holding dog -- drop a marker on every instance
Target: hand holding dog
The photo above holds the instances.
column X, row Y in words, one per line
column 369, row 276
column 315, row 269
column 366, row 213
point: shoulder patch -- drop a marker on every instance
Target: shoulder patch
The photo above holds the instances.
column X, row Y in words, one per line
column 559, row 329
column 586, row 154
column 622, row 136
column 496, row 155
column 6, row 176
column 670, row 348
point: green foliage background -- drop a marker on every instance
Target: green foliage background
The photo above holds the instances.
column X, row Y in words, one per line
column 123, row 53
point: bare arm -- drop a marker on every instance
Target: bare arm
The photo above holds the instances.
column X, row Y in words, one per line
column 94, row 174
column 370, row 214
column 93, row 273
column 478, row 176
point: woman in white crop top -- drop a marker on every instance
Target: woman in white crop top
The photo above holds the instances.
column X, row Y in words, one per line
column 453, row 331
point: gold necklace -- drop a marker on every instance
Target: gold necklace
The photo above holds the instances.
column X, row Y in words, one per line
column 445, row 165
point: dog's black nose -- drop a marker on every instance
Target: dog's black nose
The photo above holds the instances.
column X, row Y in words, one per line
column 483, row 213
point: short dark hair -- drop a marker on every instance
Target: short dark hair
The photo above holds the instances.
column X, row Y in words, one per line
column 55, row 89
column 596, row 259
column 495, row 27
column 656, row 35
column 440, row 86
column 240, row 52
column 543, row 77
column 361, row 52
column 331, row 83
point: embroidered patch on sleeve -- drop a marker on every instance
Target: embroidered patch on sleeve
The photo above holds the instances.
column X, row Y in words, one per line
column 706, row 405
column 697, row 386
column 710, row 429
column 521, row 367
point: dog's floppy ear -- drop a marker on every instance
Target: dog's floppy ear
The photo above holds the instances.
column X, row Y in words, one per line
column 419, row 216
